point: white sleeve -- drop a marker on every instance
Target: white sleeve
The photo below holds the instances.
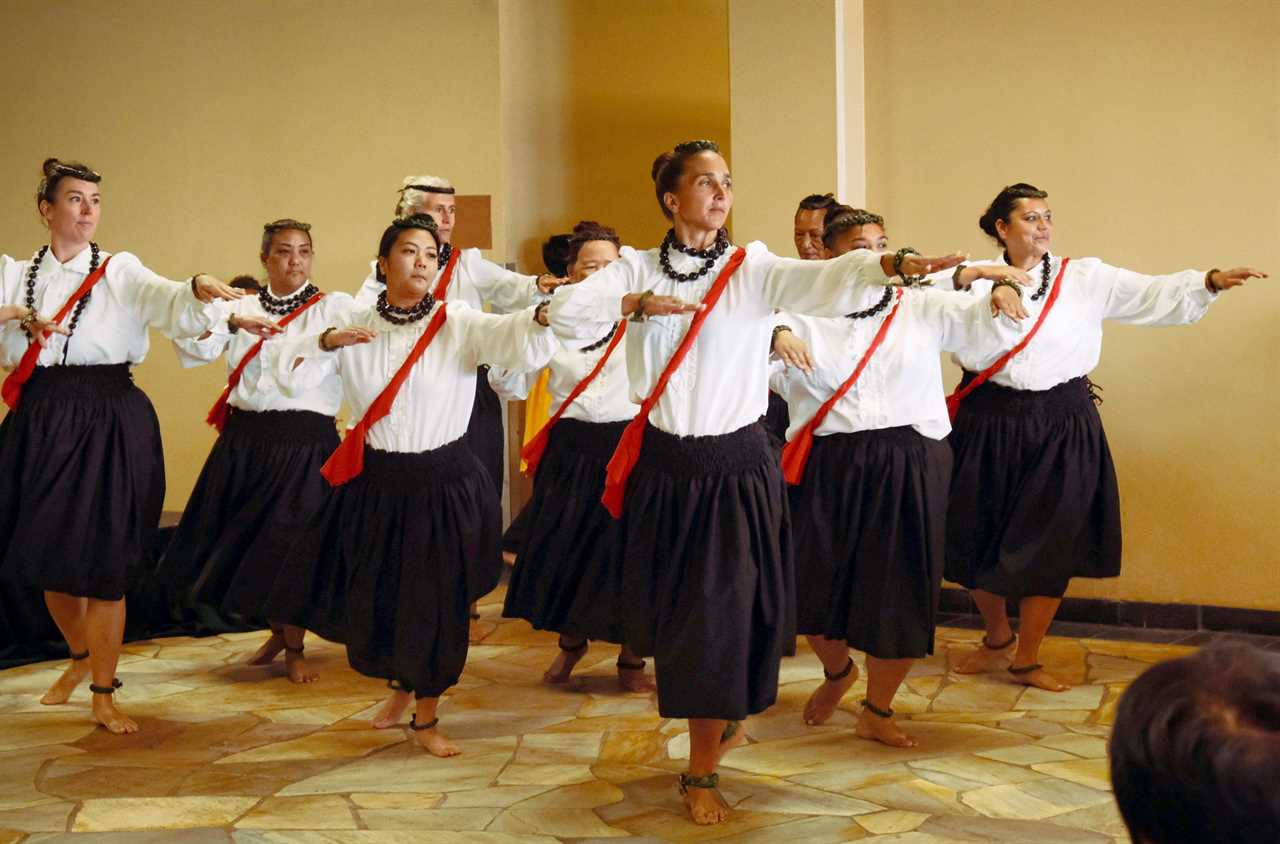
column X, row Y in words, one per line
column 1176, row 299
column 506, row 291
column 820, row 288
column 513, row 386
column 170, row 307
column 369, row 290
column 209, row 346
column 963, row 323
column 582, row 313
column 298, row 364
column 514, row 342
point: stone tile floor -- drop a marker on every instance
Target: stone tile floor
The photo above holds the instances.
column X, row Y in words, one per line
column 233, row 753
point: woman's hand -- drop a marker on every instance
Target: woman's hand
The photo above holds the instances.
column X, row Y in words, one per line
column 207, row 288
column 257, row 326
column 336, row 338
column 37, row 329
column 792, row 351
column 547, row 283
column 1219, row 280
column 997, row 272
column 921, row 264
column 1006, row 300
column 651, row 305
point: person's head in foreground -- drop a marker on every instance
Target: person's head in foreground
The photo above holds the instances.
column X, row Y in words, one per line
column 1195, row 750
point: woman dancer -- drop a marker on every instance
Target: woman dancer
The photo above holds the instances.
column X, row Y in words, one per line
column 870, row 468
column 410, row 535
column 1034, row 499
column 706, row 567
column 81, row 467
column 566, row 575
column 261, row 483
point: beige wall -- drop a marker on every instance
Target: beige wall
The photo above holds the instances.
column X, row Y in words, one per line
column 1155, row 127
column 209, row 118
column 592, row 92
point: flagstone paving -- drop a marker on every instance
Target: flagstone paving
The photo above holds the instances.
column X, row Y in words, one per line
column 231, row 753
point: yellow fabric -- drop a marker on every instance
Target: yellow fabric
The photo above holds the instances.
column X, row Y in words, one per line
column 537, row 409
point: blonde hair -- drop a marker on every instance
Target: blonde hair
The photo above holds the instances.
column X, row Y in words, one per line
column 415, row 190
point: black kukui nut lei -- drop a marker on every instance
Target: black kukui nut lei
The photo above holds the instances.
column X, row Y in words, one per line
column 285, row 305
column 707, row 256
column 605, row 339
column 1044, row 279
column 30, row 297
column 876, row 308
column 404, row 316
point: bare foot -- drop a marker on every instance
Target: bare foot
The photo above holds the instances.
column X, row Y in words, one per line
column 1040, row 679
column 60, row 691
column 984, row 658
column 298, row 671
column 705, row 806
column 562, row 667
column 270, row 649
column 436, row 743
column 106, row 714
column 824, row 700
column 635, row 680
column 393, row 710
column 737, row 739
column 884, row 730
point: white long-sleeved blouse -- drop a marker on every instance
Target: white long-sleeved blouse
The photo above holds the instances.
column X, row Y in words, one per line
column 434, row 403
column 902, row 383
column 722, row 384
column 606, row 399
column 1069, row 344
column 258, row 390
column 112, row 328
column 475, row 281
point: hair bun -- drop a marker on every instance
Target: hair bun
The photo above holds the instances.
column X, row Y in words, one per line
column 659, row 164
column 49, row 167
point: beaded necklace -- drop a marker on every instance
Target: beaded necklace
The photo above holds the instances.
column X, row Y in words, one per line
column 876, row 308
column 403, row 316
column 605, row 339
column 707, row 256
column 1044, row 279
column 285, row 305
column 443, row 257
column 30, row 298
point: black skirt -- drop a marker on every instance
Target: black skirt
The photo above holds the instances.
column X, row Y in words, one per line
column 870, row 521
column 567, row 572
column 485, row 435
column 707, row 571
column 777, row 419
column 260, row 486
column 392, row 563
column 1034, row 499
column 513, row 537
column 81, row 481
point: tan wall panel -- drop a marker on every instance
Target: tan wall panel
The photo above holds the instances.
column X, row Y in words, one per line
column 209, row 118
column 1155, row 126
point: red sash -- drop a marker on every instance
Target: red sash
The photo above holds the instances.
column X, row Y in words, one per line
column 218, row 413
column 628, row 451
column 953, row 400
column 532, row 451
column 12, row 387
column 796, row 453
column 445, row 277
column 347, row 459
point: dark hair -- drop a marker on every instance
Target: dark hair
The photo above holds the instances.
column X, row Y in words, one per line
column 587, row 231
column 841, row 218
column 269, row 231
column 1195, row 749
column 402, row 224
column 669, row 167
column 817, row 202
column 555, row 254
column 53, row 171
column 1001, row 208
column 245, row 282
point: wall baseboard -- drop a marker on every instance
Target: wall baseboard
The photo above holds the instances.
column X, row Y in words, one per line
column 1204, row 617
